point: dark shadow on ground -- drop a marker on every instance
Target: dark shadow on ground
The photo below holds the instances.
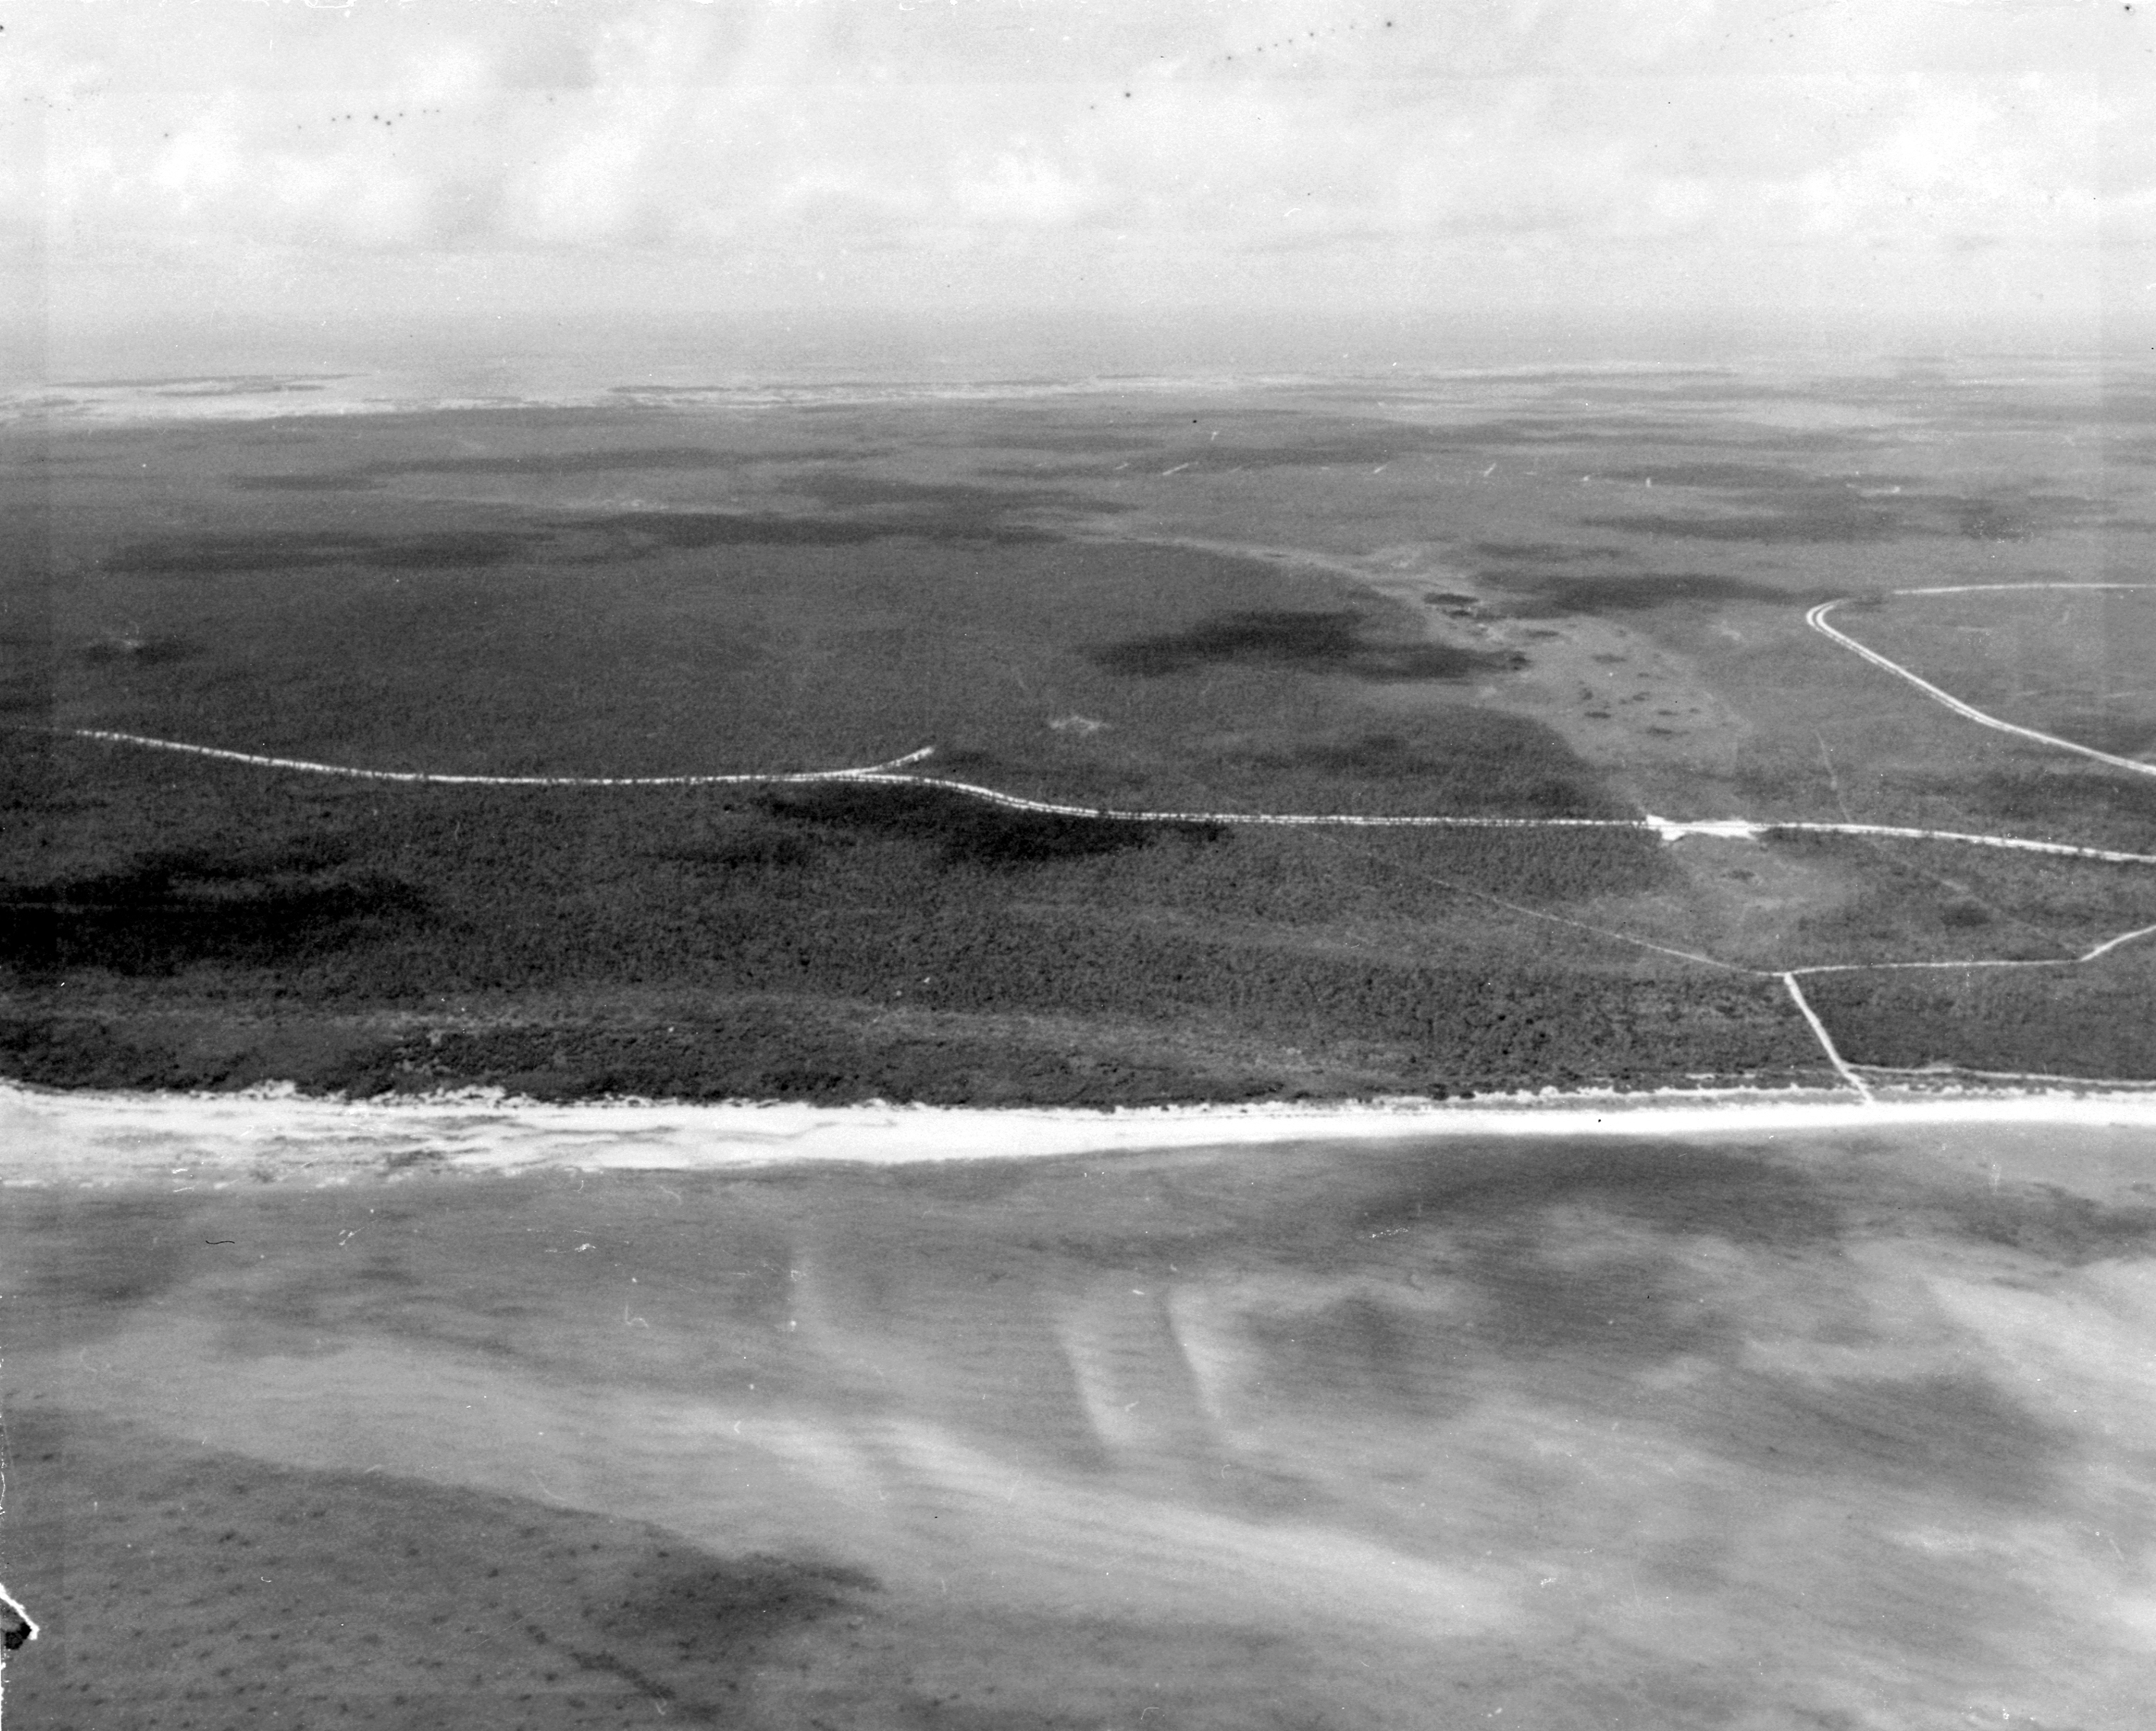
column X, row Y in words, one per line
column 168, row 910
column 1333, row 643
column 1548, row 597
column 969, row 831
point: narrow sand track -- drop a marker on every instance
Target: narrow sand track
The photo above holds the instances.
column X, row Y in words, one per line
column 893, row 773
column 1816, row 618
column 888, row 774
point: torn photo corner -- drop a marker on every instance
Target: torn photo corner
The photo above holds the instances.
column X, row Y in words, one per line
column 18, row 1627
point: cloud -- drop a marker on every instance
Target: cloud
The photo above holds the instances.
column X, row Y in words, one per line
column 1631, row 145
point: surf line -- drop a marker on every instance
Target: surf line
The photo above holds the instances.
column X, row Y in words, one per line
column 1816, row 618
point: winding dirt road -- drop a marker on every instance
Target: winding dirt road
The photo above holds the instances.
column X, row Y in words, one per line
column 897, row 772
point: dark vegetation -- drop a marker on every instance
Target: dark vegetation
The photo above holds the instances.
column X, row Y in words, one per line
column 810, row 930
column 2073, row 664
column 592, row 539
column 1794, row 507
column 781, row 610
column 313, row 549
column 168, row 910
column 539, row 464
column 2086, row 1021
column 743, row 1048
column 639, row 532
column 1823, row 514
column 1910, row 902
column 2083, row 802
column 1550, row 552
column 1554, row 595
column 2122, row 736
column 1320, row 641
column 1467, row 759
column 962, row 830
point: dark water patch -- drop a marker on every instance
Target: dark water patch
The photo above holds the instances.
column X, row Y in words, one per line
column 1635, row 1307
column 1568, row 1252
column 1677, row 1190
column 329, row 481
column 1329, row 643
column 2049, row 1223
column 1366, row 1350
column 1953, row 1434
column 970, row 831
column 79, row 1264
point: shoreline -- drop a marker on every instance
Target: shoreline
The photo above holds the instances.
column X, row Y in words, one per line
column 59, row 1136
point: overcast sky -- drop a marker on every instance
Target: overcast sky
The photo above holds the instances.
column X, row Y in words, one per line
column 379, row 166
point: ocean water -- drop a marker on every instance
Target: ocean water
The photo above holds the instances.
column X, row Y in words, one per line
column 1741, row 1425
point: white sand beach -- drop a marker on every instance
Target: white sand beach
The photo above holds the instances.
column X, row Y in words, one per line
column 51, row 1136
